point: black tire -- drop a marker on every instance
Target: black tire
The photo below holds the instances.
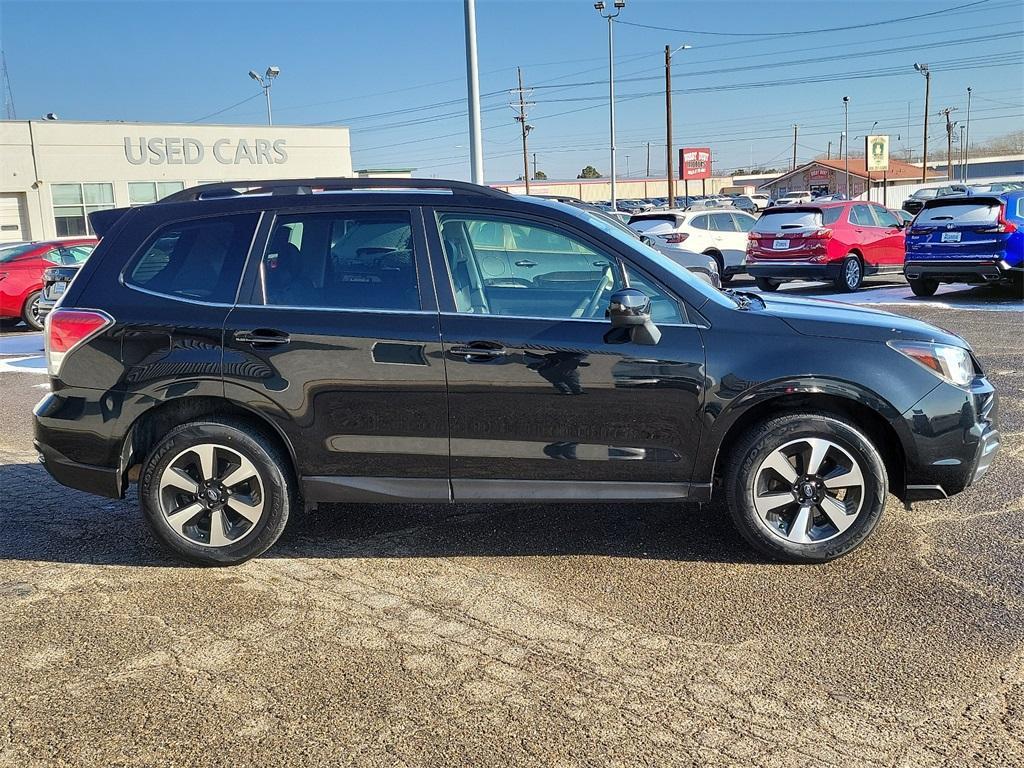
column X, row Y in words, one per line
column 851, row 274
column 765, row 438
column 721, row 266
column 764, row 284
column 30, row 311
column 924, row 286
column 9, row 322
column 271, row 466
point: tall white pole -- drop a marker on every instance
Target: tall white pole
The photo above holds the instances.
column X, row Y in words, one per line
column 611, row 103
column 270, row 116
column 476, row 154
column 967, row 138
column 846, row 107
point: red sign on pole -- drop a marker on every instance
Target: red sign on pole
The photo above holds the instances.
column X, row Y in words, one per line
column 695, row 163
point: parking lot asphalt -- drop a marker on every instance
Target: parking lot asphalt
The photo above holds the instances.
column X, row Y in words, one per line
column 521, row 634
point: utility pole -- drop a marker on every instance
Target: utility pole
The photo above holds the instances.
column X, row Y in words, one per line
column 963, row 166
column 923, row 69
column 669, row 175
column 828, row 153
column 846, row 134
column 476, row 151
column 648, row 159
column 9, row 111
column 521, row 119
column 535, row 165
column 794, row 146
column 967, row 137
column 949, row 142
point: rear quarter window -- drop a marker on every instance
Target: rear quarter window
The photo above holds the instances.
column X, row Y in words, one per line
column 200, row 260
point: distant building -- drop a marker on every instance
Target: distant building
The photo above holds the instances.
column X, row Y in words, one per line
column 829, row 177
column 55, row 172
column 385, row 173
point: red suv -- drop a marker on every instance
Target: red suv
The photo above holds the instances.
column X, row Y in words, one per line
column 21, row 275
column 838, row 242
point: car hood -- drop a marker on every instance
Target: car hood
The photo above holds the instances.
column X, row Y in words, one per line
column 835, row 320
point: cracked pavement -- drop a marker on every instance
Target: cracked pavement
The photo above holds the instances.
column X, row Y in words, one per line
column 522, row 634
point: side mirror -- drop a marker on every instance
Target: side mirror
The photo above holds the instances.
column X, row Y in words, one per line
column 630, row 308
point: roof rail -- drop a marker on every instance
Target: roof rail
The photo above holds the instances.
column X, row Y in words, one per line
column 333, row 184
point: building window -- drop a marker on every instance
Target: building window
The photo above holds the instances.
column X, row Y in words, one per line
column 72, row 204
column 144, row 192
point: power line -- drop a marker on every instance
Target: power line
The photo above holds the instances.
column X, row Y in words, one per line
column 227, row 109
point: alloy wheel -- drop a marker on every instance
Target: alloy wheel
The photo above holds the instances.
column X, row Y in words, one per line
column 211, row 495
column 808, row 491
column 852, row 273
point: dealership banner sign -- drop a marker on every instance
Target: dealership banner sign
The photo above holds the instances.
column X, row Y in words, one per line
column 178, row 150
column 695, row 163
column 876, row 150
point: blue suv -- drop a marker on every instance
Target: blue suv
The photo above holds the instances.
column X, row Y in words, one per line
column 977, row 239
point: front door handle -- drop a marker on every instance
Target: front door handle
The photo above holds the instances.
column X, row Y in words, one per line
column 526, row 263
column 477, row 352
column 262, row 337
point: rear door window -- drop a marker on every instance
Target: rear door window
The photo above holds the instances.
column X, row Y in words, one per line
column 723, row 222
column 861, row 215
column 342, row 260
column 200, row 259
column 967, row 214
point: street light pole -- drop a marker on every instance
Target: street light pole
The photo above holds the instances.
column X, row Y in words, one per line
column 923, row 69
column 476, row 150
column 618, row 5
column 846, row 133
column 967, row 138
column 271, row 75
column 669, row 175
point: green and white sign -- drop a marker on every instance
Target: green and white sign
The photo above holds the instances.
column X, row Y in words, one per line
column 877, row 153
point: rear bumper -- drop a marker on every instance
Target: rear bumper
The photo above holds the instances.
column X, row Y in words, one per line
column 955, row 440
column 102, row 481
column 960, row 270
column 788, row 270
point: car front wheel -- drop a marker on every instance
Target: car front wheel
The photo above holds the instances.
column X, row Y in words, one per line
column 215, row 493
column 805, row 487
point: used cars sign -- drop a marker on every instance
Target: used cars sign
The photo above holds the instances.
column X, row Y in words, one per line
column 187, row 151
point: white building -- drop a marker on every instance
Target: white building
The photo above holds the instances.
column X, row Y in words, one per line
column 54, row 172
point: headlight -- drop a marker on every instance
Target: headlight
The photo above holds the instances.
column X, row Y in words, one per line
column 954, row 364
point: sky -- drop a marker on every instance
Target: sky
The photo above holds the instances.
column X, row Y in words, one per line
column 395, row 74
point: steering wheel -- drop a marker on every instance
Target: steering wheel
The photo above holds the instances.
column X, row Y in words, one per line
column 606, row 282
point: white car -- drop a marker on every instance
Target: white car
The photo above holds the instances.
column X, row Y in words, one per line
column 761, row 200
column 795, row 198
column 718, row 233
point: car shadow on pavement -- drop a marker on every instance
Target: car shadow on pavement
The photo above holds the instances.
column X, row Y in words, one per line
column 45, row 522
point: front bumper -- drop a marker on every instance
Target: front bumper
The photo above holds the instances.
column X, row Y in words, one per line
column 793, row 270
column 960, row 270
column 955, row 439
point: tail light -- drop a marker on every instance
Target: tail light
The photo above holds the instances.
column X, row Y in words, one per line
column 1002, row 225
column 675, row 237
column 67, row 329
column 824, row 234
column 753, row 236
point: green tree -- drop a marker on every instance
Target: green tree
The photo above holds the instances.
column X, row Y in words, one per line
column 590, row 172
column 539, row 176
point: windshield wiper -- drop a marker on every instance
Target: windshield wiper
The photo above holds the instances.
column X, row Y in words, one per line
column 743, row 299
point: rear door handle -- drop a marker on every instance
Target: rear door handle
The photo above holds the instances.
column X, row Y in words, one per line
column 474, row 353
column 526, row 263
column 262, row 337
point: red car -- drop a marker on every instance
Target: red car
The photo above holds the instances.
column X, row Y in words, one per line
column 21, row 275
column 839, row 242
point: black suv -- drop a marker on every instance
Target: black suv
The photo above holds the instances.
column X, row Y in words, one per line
column 240, row 352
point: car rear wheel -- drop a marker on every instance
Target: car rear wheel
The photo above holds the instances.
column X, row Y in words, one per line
column 764, row 284
column 725, row 278
column 924, row 286
column 215, row 493
column 805, row 487
column 30, row 312
column 851, row 274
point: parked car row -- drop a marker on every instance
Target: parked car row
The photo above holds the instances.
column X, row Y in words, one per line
column 22, row 267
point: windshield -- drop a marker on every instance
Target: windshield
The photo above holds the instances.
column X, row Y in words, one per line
column 14, row 251
column 772, row 221
column 644, row 251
